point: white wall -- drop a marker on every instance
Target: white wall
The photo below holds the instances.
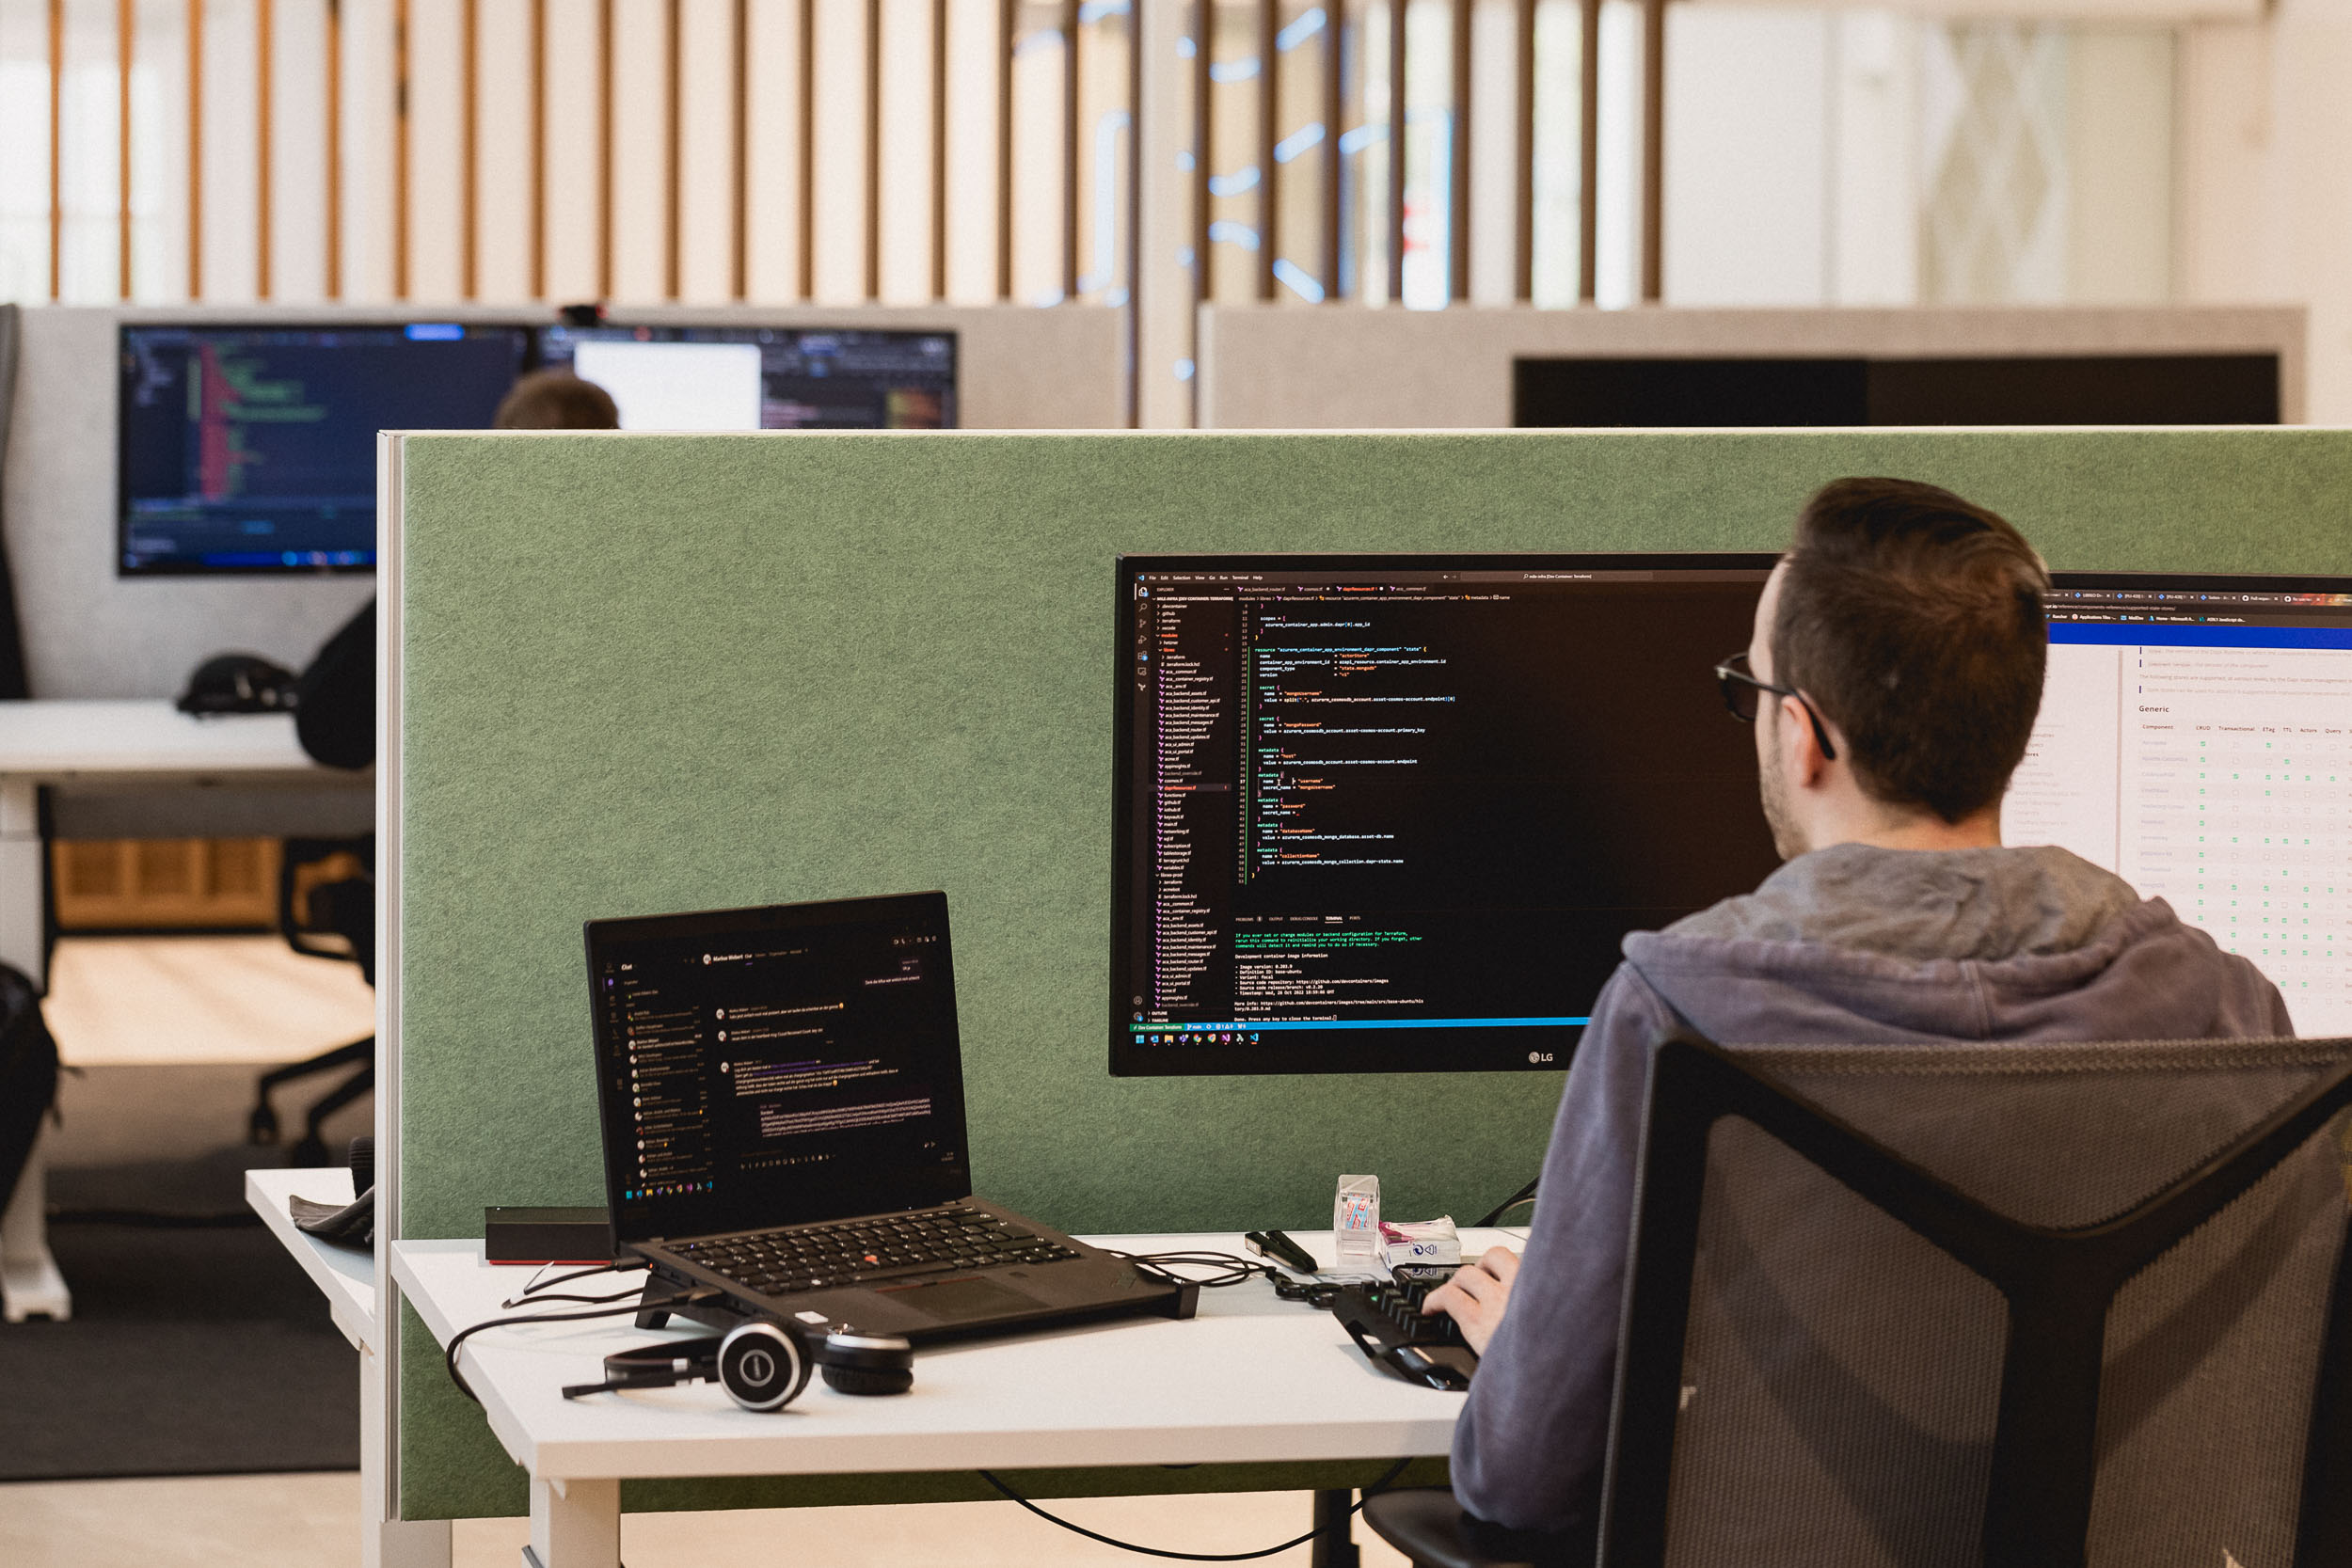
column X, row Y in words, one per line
column 1827, row 156
column 1748, row 137
column 2264, row 192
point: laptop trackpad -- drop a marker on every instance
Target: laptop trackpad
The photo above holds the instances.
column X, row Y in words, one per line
column 953, row 1299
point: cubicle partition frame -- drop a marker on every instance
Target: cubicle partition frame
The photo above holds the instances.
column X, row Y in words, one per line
column 803, row 666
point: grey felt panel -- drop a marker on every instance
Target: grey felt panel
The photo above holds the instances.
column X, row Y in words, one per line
column 649, row 673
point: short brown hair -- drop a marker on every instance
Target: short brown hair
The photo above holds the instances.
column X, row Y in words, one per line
column 556, row 399
column 1912, row 619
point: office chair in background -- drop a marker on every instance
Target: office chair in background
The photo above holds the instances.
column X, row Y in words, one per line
column 2023, row 1306
column 336, row 900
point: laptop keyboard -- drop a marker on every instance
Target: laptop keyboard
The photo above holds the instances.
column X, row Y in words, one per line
column 862, row 1252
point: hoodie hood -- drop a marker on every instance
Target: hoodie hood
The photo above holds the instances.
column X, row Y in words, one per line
column 1854, row 942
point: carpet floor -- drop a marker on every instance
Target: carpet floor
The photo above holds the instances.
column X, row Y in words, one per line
column 191, row 1352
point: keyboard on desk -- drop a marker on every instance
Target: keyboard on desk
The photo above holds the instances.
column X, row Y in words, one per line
column 1387, row 1324
column 867, row 1251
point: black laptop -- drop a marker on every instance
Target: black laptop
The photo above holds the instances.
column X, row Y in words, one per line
column 782, row 1092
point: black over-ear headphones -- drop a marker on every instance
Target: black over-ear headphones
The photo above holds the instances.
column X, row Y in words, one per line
column 763, row 1365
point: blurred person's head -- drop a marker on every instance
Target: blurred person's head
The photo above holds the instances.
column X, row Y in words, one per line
column 556, row 399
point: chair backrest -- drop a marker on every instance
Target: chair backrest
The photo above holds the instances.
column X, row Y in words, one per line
column 2014, row 1304
column 326, row 888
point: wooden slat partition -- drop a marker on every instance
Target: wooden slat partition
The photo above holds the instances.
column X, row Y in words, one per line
column 195, row 148
column 873, row 149
column 469, row 150
column 538, row 148
column 399, row 148
column 56, row 149
column 1588, row 152
column 606, row 182
column 334, row 215
column 1334, row 162
column 1398, row 133
column 806, row 148
column 1007, row 19
column 1192, row 72
column 674, row 136
column 1459, row 145
column 1269, row 134
column 1653, row 150
column 939, row 150
column 1523, row 106
column 1070, row 149
column 126, row 51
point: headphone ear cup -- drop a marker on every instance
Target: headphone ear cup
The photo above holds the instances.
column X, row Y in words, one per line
column 860, row 1380
column 664, row 1364
column 761, row 1365
column 867, row 1363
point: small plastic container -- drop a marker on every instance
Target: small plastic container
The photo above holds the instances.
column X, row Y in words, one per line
column 1355, row 1220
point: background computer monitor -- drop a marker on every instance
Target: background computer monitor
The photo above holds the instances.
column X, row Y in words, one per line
column 1395, row 812
column 253, row 448
column 1696, row 392
column 2196, row 738
column 763, row 377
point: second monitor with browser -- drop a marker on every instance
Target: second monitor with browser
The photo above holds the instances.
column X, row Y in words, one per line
column 1396, row 813
column 688, row 378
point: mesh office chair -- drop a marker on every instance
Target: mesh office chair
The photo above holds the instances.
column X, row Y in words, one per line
column 2013, row 1306
column 331, row 917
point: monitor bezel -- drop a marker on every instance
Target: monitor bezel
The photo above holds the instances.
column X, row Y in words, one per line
column 123, row 571
column 1527, row 1050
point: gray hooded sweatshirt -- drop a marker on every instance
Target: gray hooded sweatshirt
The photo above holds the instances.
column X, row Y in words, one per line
column 1847, row 945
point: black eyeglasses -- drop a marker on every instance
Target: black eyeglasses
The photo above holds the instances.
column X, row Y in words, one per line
column 1743, row 691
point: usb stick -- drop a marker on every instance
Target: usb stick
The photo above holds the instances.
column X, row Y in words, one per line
column 1274, row 1244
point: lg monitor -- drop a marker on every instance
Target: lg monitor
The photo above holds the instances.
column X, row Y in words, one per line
column 253, row 448
column 1396, row 813
column 680, row 378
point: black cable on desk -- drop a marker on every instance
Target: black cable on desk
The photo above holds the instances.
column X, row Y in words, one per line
column 558, row 1295
column 467, row 1333
column 619, row 1265
column 1369, row 1492
column 1232, row 1269
column 1525, row 1195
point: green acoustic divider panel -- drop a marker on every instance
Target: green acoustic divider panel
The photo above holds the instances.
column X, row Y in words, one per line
column 651, row 674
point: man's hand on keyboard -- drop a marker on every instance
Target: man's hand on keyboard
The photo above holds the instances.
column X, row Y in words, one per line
column 1477, row 1295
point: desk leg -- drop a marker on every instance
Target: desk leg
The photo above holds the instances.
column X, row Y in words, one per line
column 1335, row 1534
column 21, row 930
column 30, row 1285
column 574, row 1523
column 387, row 1541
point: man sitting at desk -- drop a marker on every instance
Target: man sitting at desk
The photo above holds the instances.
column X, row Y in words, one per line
column 1893, row 679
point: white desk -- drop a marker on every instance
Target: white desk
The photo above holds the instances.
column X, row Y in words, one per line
column 1252, row 1378
column 117, row 755
column 347, row 1279
column 344, row 1275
